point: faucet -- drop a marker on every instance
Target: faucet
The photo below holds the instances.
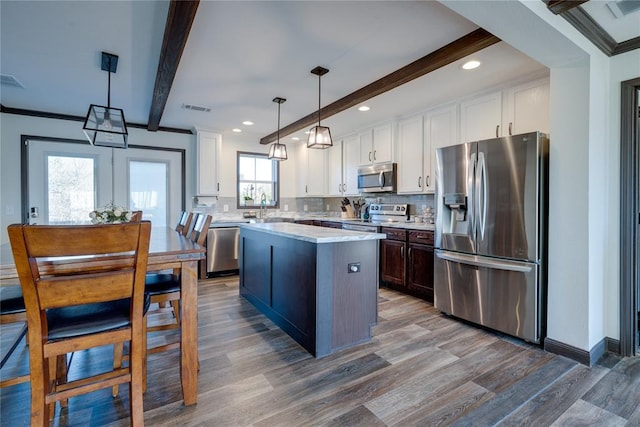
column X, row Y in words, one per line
column 263, row 205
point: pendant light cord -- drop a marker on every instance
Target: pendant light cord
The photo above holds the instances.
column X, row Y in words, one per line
column 319, row 87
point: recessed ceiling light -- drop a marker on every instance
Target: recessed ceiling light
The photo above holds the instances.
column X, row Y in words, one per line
column 470, row 65
column 363, row 108
column 295, row 138
column 247, row 123
column 236, row 130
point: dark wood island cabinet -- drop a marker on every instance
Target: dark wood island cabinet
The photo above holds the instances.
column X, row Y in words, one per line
column 320, row 285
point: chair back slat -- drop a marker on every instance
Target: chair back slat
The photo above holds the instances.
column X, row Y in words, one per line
column 62, row 291
column 79, row 240
column 199, row 233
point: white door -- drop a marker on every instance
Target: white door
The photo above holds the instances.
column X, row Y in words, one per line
column 67, row 180
column 150, row 181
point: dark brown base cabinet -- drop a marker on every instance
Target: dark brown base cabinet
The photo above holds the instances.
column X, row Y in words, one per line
column 392, row 257
column 407, row 261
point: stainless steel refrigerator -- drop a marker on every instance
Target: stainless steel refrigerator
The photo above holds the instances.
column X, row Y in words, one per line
column 490, row 258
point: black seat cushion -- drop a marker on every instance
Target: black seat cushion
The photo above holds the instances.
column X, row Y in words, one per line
column 161, row 283
column 11, row 300
column 78, row 320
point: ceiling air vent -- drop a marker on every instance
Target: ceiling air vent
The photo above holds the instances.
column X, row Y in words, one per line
column 7, row 80
column 623, row 8
column 196, row 108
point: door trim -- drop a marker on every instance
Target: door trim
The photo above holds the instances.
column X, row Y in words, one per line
column 24, row 167
column 629, row 215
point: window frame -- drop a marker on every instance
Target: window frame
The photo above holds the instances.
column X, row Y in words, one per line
column 276, row 182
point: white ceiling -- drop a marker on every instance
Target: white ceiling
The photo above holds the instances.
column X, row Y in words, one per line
column 621, row 29
column 239, row 56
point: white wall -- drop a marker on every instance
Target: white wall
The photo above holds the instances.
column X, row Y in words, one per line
column 13, row 126
column 232, row 143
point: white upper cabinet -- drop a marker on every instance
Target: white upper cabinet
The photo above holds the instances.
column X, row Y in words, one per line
column 343, row 161
column 376, row 145
column 410, row 155
column 418, row 138
column 440, row 130
column 350, row 163
column 311, row 171
column 527, row 108
column 335, row 169
column 207, row 167
column 481, row 118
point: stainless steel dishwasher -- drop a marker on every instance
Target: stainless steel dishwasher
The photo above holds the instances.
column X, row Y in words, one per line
column 222, row 249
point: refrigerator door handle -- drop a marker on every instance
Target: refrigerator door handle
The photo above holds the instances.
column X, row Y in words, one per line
column 483, row 262
column 481, row 193
column 471, row 171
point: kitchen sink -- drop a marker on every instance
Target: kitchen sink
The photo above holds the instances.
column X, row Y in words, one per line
column 269, row 219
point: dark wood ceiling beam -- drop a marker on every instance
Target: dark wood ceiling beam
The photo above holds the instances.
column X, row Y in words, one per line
column 458, row 49
column 179, row 20
column 561, row 6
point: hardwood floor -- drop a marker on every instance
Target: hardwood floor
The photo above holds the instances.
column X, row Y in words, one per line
column 421, row 368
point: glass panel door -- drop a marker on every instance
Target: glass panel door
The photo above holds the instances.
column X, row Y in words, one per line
column 67, row 181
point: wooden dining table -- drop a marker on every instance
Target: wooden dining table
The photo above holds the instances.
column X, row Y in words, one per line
column 168, row 250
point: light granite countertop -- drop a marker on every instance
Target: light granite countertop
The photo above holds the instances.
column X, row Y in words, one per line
column 235, row 222
column 311, row 233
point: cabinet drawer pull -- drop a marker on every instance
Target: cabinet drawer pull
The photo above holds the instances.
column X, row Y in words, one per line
column 374, row 155
column 402, row 251
column 409, row 253
column 369, row 155
column 510, row 128
column 428, row 181
column 419, row 182
column 497, row 131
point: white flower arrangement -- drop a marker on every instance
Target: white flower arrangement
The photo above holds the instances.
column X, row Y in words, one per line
column 110, row 214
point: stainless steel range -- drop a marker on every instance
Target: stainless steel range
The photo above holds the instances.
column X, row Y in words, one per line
column 385, row 212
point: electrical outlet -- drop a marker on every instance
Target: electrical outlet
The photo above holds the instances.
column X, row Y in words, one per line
column 328, row 206
column 354, row 267
column 286, row 208
column 225, row 208
column 305, row 208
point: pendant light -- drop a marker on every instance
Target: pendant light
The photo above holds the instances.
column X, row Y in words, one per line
column 278, row 151
column 319, row 136
column 105, row 126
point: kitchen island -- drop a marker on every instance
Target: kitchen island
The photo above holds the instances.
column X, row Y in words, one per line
column 319, row 285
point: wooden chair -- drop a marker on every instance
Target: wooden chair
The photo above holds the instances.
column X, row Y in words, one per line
column 93, row 299
column 184, row 222
column 136, row 216
column 12, row 310
column 165, row 288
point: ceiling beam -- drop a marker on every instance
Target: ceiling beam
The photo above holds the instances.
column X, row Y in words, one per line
column 561, row 6
column 458, row 49
column 176, row 32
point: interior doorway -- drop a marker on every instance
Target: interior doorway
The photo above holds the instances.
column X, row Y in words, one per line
column 630, row 218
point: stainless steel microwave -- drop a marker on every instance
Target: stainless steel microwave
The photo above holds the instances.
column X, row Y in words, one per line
column 378, row 178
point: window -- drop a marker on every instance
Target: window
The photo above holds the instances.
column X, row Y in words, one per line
column 257, row 176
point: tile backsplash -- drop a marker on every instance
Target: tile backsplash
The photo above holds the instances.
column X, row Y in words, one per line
column 315, row 205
